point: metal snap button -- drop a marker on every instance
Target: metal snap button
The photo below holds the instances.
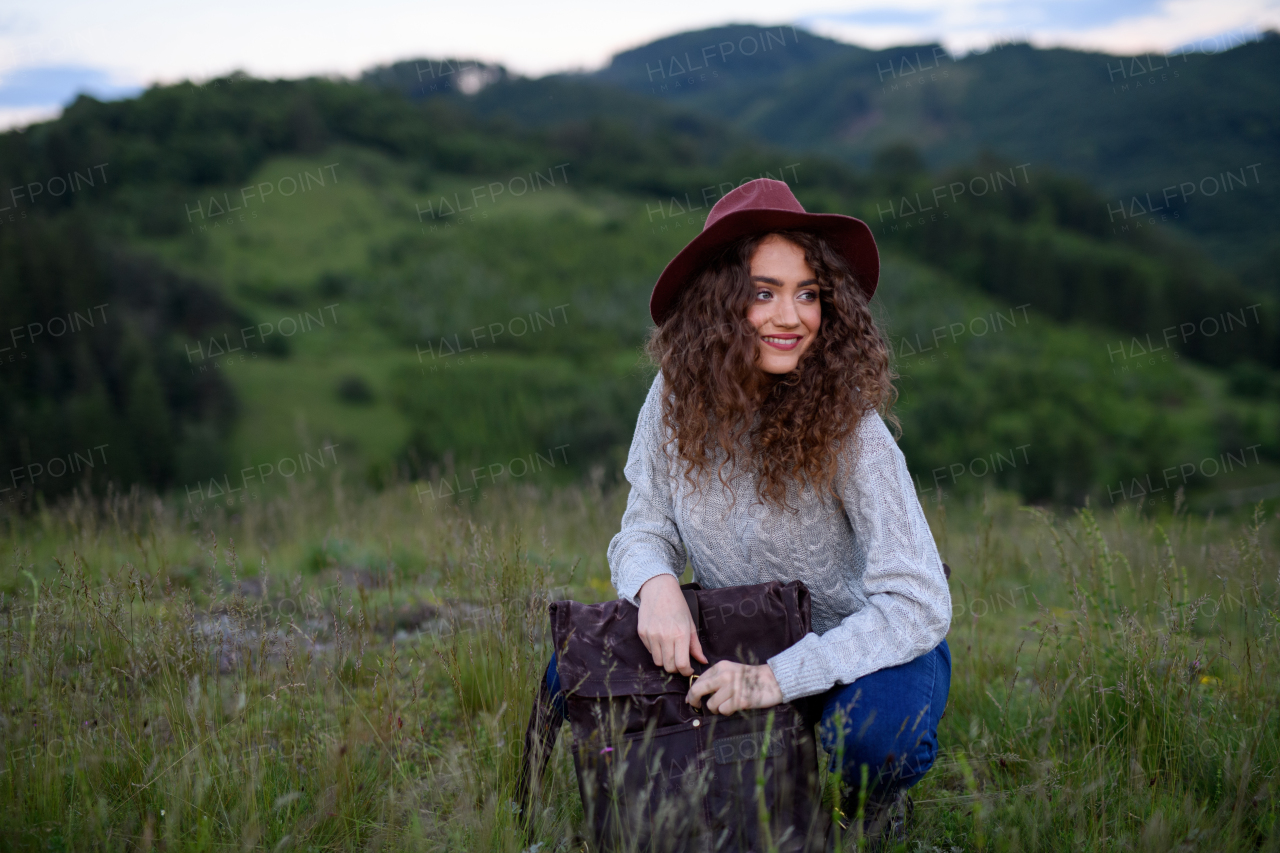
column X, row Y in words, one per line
column 697, row 723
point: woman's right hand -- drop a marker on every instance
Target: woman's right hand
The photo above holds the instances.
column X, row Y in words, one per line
column 666, row 626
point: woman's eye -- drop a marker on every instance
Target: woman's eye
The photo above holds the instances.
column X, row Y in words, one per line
column 809, row 295
column 766, row 293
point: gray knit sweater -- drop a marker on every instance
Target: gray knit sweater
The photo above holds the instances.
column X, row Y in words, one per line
column 879, row 594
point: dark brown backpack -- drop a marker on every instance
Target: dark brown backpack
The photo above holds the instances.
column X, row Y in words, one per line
column 657, row 774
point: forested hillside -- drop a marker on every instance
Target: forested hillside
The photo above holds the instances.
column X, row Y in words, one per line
column 464, row 267
column 1129, row 126
column 94, row 384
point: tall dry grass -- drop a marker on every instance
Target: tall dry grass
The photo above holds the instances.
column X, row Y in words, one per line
column 335, row 669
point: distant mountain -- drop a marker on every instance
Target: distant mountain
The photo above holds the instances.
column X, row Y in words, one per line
column 1034, row 234
column 1207, row 127
column 423, row 227
column 1183, row 142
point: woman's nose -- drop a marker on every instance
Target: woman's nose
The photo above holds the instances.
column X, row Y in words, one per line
column 786, row 314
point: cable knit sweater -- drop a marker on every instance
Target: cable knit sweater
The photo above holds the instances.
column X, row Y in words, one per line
column 879, row 594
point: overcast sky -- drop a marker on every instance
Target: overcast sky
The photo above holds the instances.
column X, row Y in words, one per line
column 52, row 49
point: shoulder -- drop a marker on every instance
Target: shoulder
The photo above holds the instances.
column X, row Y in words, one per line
column 650, row 419
column 869, row 444
column 653, row 400
column 656, row 387
column 872, row 426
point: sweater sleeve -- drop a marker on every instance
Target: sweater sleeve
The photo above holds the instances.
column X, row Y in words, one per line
column 907, row 610
column 649, row 542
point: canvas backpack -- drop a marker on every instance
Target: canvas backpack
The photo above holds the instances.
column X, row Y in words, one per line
column 655, row 773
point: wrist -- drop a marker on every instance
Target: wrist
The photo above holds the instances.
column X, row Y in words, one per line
column 774, row 688
column 769, row 676
column 658, row 583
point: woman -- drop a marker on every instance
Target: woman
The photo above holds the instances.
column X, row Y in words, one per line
column 760, row 454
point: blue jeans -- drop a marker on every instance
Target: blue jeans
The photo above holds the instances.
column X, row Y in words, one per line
column 887, row 720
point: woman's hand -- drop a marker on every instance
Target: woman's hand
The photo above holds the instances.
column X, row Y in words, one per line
column 730, row 687
column 666, row 627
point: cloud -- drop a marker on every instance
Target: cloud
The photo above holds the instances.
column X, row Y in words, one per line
column 1080, row 14
column 11, row 117
column 1125, row 28
column 1218, row 42
column 876, row 17
column 967, row 15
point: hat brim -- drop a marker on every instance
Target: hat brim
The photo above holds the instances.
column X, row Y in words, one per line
column 848, row 236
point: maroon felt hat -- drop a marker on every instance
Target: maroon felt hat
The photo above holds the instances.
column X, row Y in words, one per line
column 760, row 206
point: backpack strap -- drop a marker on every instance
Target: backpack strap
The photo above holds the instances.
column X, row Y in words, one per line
column 539, row 742
column 691, row 599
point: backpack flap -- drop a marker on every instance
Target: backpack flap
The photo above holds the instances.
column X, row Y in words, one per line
column 750, row 624
column 599, row 652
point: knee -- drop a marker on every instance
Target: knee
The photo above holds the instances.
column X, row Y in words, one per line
column 900, row 755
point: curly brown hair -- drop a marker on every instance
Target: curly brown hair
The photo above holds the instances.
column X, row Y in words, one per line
column 707, row 350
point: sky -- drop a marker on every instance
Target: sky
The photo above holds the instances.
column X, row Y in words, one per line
column 51, row 50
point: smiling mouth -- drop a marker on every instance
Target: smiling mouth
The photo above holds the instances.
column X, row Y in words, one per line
column 782, row 342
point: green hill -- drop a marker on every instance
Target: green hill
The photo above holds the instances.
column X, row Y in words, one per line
column 447, row 289
column 1145, row 279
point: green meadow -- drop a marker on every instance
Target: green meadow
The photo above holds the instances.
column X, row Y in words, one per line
column 334, row 669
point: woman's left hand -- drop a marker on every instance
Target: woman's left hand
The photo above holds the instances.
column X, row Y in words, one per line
column 730, row 687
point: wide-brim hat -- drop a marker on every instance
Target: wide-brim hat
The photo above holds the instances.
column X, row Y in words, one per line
column 760, row 206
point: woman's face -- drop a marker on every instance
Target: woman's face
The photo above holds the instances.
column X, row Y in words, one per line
column 785, row 311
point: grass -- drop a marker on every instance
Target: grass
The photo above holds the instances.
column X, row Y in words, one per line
column 329, row 669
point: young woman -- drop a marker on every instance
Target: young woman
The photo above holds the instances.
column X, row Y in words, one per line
column 760, row 455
